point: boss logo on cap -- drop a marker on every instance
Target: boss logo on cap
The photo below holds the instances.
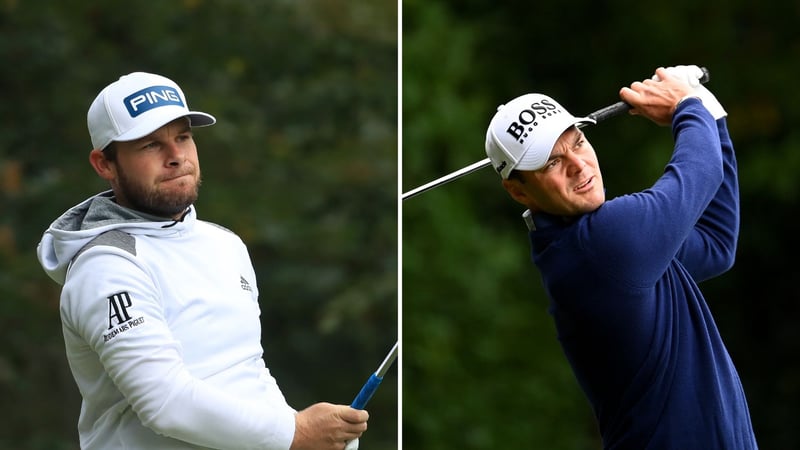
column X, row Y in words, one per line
column 152, row 97
column 527, row 119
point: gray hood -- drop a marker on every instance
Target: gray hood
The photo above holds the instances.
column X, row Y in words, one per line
column 68, row 234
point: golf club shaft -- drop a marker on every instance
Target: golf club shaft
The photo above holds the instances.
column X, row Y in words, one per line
column 374, row 380
column 600, row 115
column 439, row 181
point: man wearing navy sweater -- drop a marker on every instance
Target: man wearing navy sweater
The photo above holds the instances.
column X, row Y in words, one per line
column 622, row 273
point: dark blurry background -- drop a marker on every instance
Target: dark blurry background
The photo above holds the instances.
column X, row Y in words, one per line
column 302, row 164
column 482, row 368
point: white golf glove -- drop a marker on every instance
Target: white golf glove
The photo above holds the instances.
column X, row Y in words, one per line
column 691, row 75
column 352, row 445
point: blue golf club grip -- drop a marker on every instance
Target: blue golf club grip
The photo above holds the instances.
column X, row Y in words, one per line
column 366, row 392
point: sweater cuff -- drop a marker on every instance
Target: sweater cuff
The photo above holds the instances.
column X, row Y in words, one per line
column 687, row 97
column 282, row 431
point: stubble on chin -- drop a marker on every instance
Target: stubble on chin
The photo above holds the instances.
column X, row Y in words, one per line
column 158, row 201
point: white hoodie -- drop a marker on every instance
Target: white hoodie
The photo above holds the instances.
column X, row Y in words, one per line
column 162, row 332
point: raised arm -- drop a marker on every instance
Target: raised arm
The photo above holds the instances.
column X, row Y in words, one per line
column 711, row 248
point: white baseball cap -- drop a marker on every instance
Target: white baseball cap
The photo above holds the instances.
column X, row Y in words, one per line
column 524, row 131
column 136, row 105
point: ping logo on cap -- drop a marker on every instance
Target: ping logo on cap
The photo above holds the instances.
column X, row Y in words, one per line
column 527, row 118
column 151, row 97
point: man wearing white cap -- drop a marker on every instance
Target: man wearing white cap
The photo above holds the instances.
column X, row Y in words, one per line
column 622, row 274
column 159, row 309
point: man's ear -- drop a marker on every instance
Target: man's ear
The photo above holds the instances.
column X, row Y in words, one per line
column 516, row 192
column 105, row 168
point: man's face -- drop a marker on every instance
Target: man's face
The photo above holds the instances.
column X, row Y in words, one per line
column 569, row 184
column 158, row 174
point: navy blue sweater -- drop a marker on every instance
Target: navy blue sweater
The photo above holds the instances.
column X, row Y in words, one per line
column 633, row 324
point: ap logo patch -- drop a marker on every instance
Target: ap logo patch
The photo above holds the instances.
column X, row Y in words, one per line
column 118, row 305
column 119, row 315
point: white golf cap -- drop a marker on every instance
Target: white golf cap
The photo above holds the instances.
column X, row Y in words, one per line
column 136, row 105
column 523, row 132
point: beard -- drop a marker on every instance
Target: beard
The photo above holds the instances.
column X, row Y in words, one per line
column 155, row 200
